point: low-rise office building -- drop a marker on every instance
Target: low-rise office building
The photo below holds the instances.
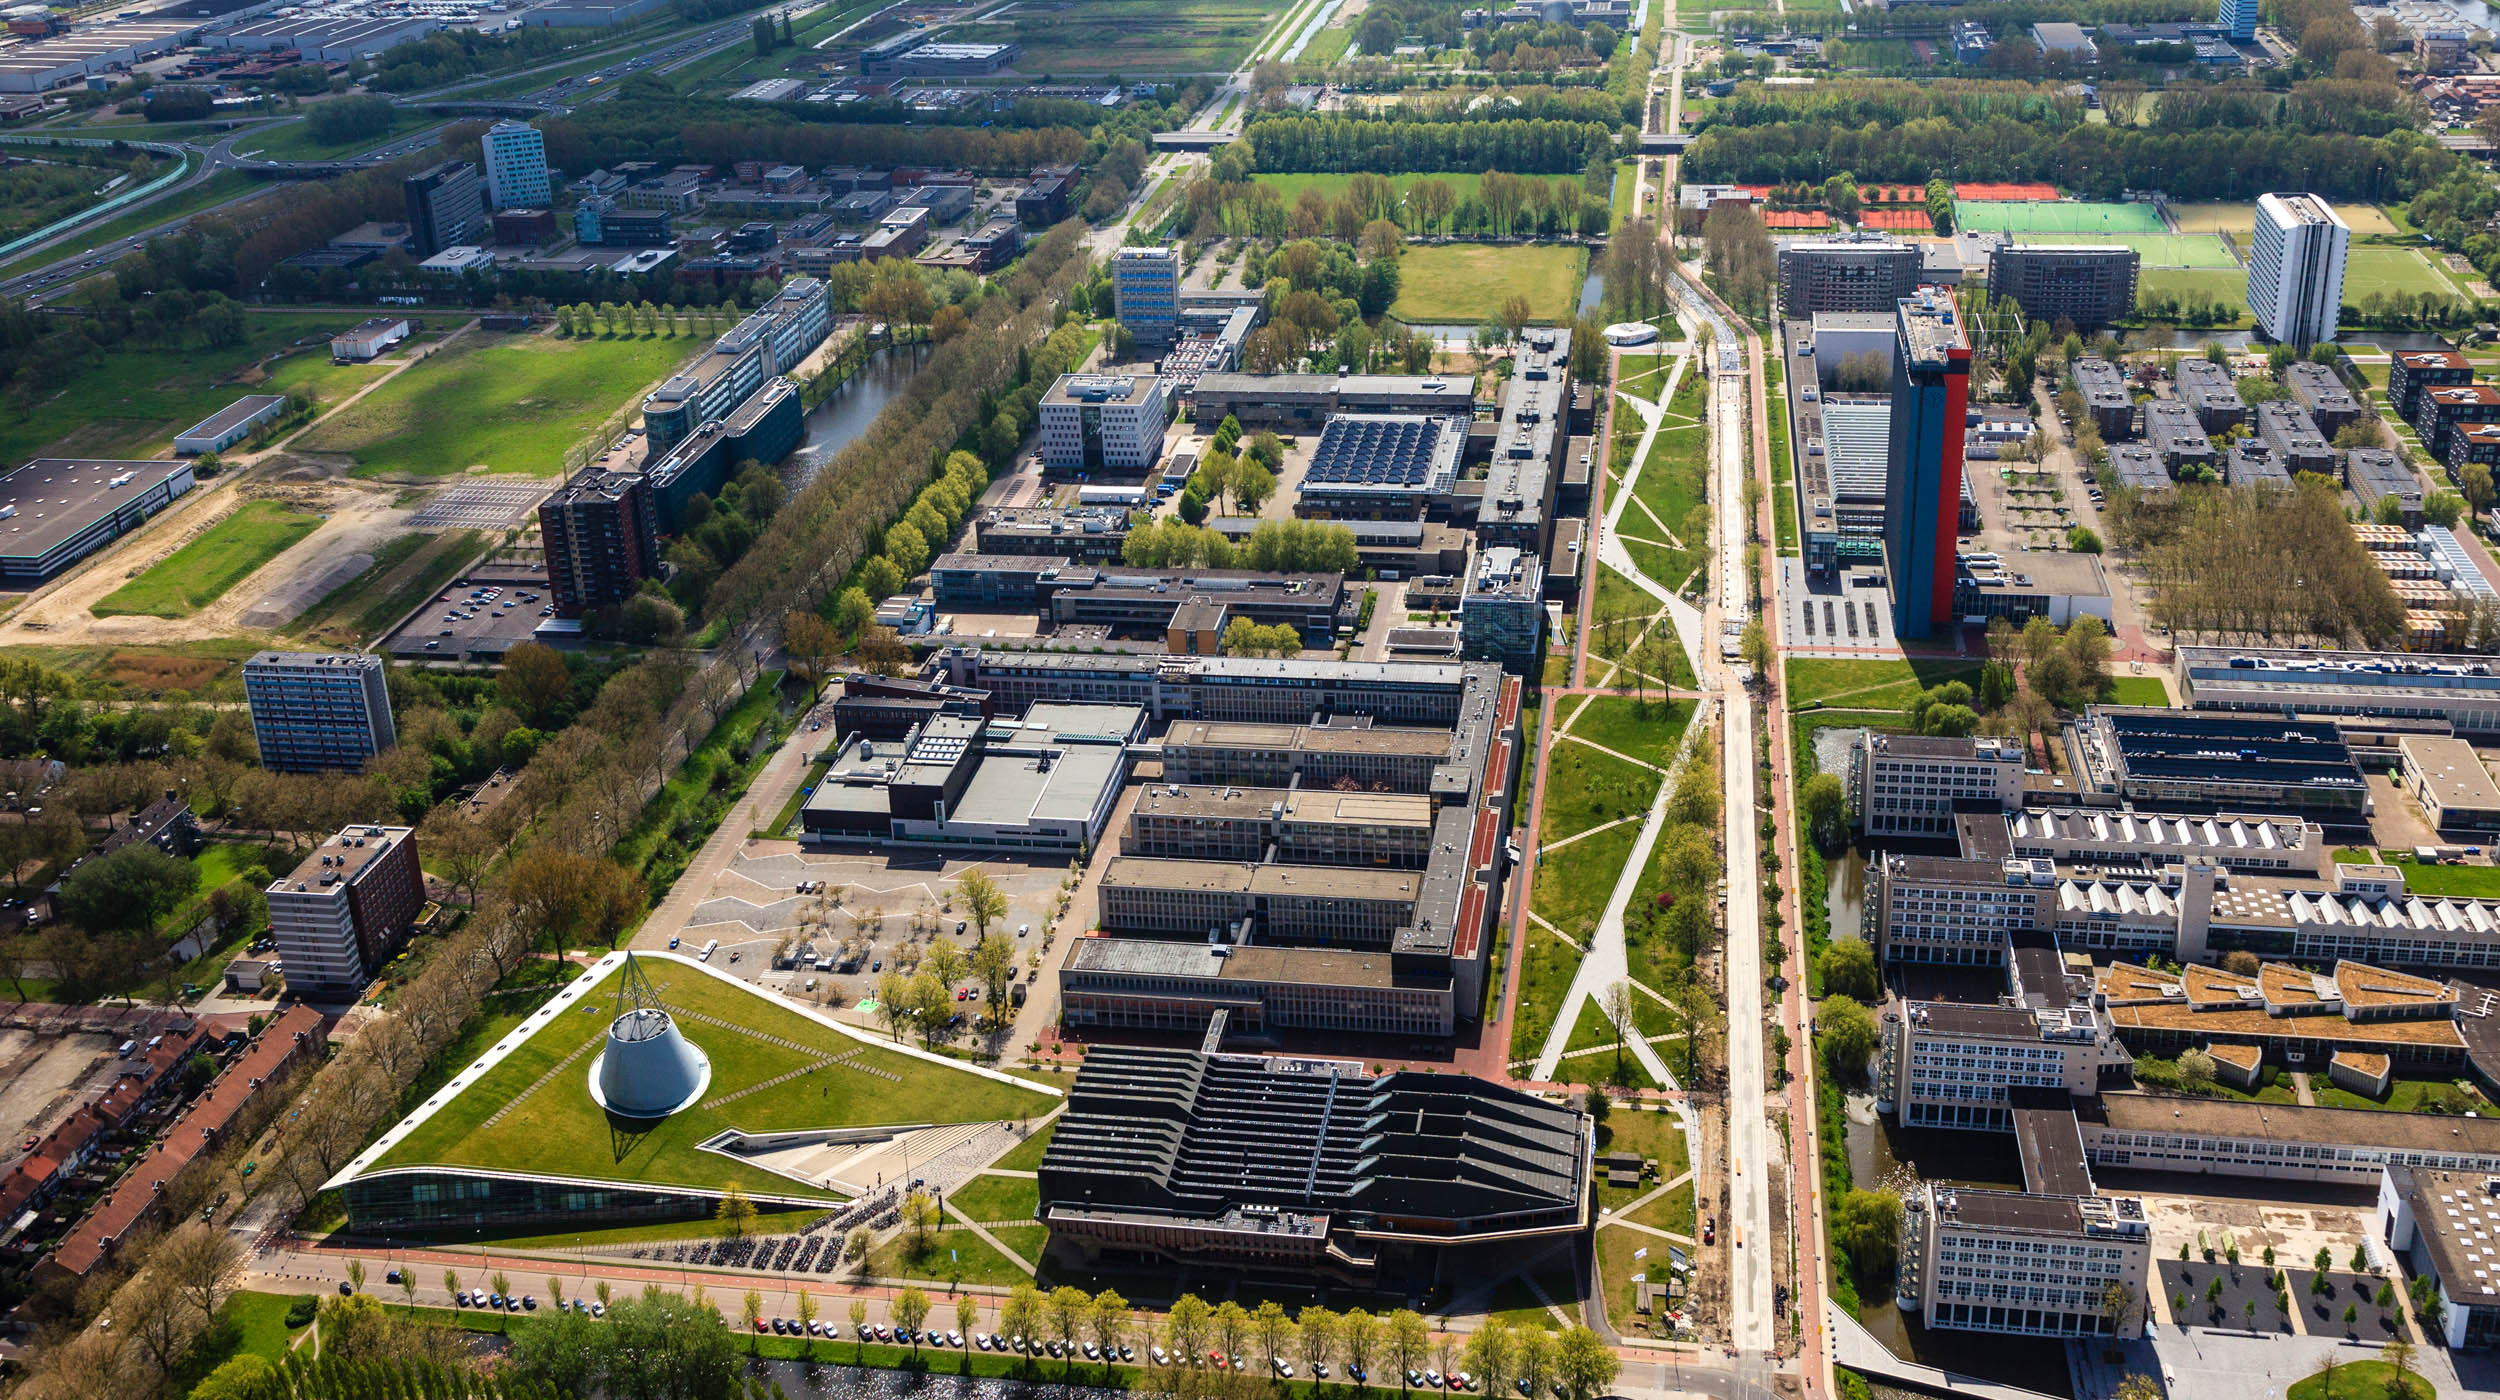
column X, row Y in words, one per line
column 1297, row 1169
column 2253, row 463
column 1906, row 785
column 2322, row 393
column 1380, row 466
column 1349, row 750
column 2106, row 399
column 228, row 425
column 1375, row 830
column 1103, row 422
column 1298, row 403
column 2138, row 467
column 2171, row 427
column 2441, row 1223
column 55, row 511
column 2374, row 474
column 2447, row 776
column 2035, row 1265
column 1044, row 783
column 2160, row 758
column 2058, row 585
column 2277, row 1141
column 2252, row 845
column 2209, row 391
column 2286, row 427
column 1253, row 904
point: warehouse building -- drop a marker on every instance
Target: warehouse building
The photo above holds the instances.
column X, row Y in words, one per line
column 1298, row 1170
column 2463, row 691
column 228, row 425
column 55, row 511
column 91, row 50
column 324, row 38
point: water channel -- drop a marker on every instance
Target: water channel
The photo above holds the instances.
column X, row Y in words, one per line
column 844, row 415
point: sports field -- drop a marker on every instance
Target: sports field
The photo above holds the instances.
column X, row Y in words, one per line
column 2221, row 286
column 223, row 555
column 1127, row 37
column 2238, row 219
column 2058, row 216
column 773, row 1070
column 2166, row 249
column 2392, row 271
column 513, row 403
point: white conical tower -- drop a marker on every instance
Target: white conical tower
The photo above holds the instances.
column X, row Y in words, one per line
column 648, row 1069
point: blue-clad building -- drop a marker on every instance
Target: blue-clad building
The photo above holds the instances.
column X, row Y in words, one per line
column 1923, row 469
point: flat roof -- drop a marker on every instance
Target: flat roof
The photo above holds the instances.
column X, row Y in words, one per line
column 1242, row 877
column 235, row 415
column 347, row 855
column 2007, row 1210
column 1250, row 804
column 2279, row 1122
column 47, row 502
column 2452, row 770
column 2458, row 1214
column 1308, row 738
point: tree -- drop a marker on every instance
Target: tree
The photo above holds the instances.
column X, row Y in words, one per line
column 920, row 1216
column 2138, row 1386
column 811, row 643
column 2240, row 962
column 130, row 891
column 2082, row 540
column 983, row 901
column 1616, row 1002
column 911, row 1309
column 1186, row 1324
column 1318, row 1329
column 1492, row 1355
column 735, row 1215
column 200, row 1259
column 1847, row 1031
column 1270, row 1325
column 1023, row 1316
column 1069, row 1308
column 2122, row 1306
column 1537, row 1358
column 1824, row 803
column 1868, row 1225
column 2398, row 1353
column 1408, row 1339
column 1108, row 1317
column 967, row 1313
column 2474, row 480
column 2196, row 1071
column 1583, row 1364
column 994, row 962
column 751, row 1308
column 536, row 682
column 1848, row 967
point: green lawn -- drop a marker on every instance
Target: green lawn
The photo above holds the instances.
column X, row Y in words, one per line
column 222, row 556
column 1872, row 685
column 1108, row 36
column 295, row 141
column 1648, row 732
column 2403, row 1096
column 1543, row 979
column 259, row 1320
column 951, row 1256
column 1585, row 788
column 512, row 403
column 1469, row 282
column 1289, row 187
column 2440, row 881
column 2226, row 287
column 1655, row 1136
column 1572, row 882
column 2135, row 690
column 554, row 1127
column 2392, row 270
column 2360, row 1380
column 767, row 1222
column 1516, row 1303
column 986, row 1198
column 129, row 403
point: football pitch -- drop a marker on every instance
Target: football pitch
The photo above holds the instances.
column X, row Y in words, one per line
column 2392, row 271
column 2166, row 249
column 2055, row 216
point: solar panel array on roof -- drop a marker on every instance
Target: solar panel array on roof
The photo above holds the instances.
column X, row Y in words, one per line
column 2194, row 745
column 1858, row 437
column 1378, row 450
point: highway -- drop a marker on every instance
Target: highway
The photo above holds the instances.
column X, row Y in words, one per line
column 236, row 150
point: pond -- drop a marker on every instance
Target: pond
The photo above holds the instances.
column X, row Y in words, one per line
column 843, row 416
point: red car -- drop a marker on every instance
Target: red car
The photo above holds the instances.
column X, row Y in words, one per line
column 762, row 1326
column 1218, row 1358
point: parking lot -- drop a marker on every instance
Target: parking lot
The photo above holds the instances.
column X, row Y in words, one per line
column 475, row 618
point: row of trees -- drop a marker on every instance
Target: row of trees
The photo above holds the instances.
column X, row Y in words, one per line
column 2261, row 563
column 1500, row 205
column 1394, row 145
column 1738, row 254
column 1281, row 546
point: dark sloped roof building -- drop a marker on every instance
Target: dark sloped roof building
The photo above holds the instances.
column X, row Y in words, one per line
column 1293, row 1168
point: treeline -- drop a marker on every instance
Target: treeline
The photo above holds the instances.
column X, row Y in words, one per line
column 1531, row 147
column 609, row 133
column 980, row 391
column 448, row 55
column 2261, row 563
column 2001, row 17
column 1277, row 546
column 1501, row 204
column 2098, row 162
column 1525, row 102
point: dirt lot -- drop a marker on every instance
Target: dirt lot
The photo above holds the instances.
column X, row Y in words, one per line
column 42, row 1078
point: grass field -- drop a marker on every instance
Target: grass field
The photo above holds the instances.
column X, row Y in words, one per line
column 987, row 1198
column 200, row 572
column 2403, row 1096
column 951, row 1256
column 2227, row 287
column 1026, row 1156
column 2137, row 690
column 2060, row 216
column 512, row 403
column 1869, row 685
column 1130, row 39
column 2241, row 219
column 1585, row 788
column 2392, row 270
column 2362, row 1380
column 548, row 1122
column 295, row 141
column 1468, row 282
column 129, row 403
column 2167, row 249
column 216, row 189
column 1648, row 732
column 1543, row 978
column 1572, row 882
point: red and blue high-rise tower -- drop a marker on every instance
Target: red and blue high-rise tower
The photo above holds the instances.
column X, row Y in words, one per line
column 1923, row 470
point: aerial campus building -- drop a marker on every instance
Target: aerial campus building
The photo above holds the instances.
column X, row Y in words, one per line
column 2462, row 690
column 1045, row 782
column 1146, row 293
column 2087, row 285
column 1923, row 471
column 637, row 1121
column 2296, row 268
column 516, row 167
column 341, row 914
column 55, row 511
column 1105, row 422
column 1865, row 272
column 1302, row 1169
column 318, row 711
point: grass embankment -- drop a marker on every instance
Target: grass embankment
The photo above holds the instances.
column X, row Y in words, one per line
column 128, row 402
column 220, row 557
